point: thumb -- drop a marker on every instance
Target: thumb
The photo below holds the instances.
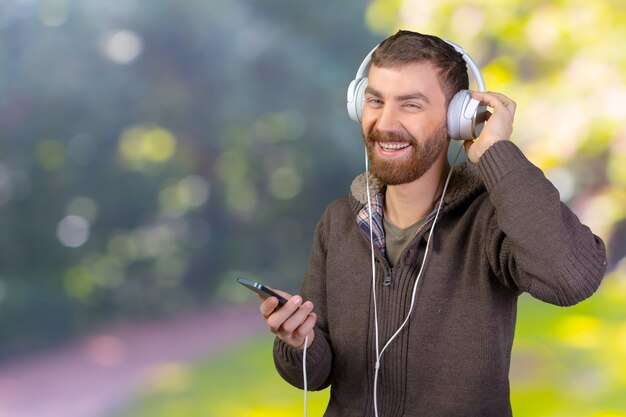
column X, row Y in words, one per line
column 471, row 150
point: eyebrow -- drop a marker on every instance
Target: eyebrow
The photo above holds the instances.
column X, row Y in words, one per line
column 412, row 96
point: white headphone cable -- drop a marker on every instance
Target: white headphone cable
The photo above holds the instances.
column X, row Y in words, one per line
column 369, row 208
column 406, row 320
column 306, row 342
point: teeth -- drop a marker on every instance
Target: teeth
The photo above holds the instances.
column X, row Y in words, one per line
column 393, row 146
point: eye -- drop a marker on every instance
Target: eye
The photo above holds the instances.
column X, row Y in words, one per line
column 373, row 101
column 413, row 106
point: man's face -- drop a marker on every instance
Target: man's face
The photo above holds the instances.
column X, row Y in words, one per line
column 404, row 121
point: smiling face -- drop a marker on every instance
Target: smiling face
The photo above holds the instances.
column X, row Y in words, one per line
column 404, row 121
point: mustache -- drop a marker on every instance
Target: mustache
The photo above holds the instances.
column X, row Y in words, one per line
column 377, row 136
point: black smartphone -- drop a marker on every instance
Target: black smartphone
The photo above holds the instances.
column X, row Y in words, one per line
column 261, row 289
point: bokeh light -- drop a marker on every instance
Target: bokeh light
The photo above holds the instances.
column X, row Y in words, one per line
column 140, row 145
column 178, row 197
column 50, row 154
column 73, row 231
column 122, row 47
column 53, row 13
column 285, row 183
column 79, row 282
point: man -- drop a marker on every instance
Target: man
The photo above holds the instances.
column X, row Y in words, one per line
column 501, row 231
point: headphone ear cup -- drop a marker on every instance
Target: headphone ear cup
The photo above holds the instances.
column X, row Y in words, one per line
column 455, row 114
column 356, row 98
column 466, row 116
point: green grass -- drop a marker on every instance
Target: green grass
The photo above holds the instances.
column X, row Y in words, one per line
column 571, row 362
column 240, row 382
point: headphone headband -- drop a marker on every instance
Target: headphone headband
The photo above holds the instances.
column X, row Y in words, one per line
column 465, row 117
column 363, row 68
column 480, row 83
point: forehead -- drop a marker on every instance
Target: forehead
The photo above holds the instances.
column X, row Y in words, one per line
column 405, row 79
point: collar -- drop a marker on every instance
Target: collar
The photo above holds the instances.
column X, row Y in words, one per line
column 464, row 184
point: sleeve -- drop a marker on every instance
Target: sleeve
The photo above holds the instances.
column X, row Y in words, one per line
column 536, row 243
column 288, row 360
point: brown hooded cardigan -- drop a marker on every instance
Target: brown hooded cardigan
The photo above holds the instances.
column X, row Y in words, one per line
column 503, row 230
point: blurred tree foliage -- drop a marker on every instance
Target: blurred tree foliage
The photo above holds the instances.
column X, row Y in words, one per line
column 151, row 151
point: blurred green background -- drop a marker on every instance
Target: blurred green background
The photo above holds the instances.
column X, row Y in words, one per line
column 152, row 151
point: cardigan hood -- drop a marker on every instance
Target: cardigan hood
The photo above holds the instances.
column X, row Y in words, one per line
column 465, row 183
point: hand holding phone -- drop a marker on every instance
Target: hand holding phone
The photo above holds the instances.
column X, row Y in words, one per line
column 291, row 320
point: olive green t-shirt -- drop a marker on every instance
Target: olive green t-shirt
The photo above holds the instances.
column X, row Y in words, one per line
column 397, row 239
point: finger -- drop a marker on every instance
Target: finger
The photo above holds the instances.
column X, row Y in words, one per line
column 467, row 144
column 276, row 319
column 307, row 327
column 305, row 330
column 504, row 98
column 268, row 306
column 296, row 319
column 480, row 95
column 506, row 101
column 488, row 98
column 493, row 99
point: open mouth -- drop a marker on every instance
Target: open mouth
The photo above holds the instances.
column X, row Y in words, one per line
column 392, row 147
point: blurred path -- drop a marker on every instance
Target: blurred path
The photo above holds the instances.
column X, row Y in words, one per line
column 96, row 375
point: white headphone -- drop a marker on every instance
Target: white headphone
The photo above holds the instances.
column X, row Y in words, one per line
column 466, row 116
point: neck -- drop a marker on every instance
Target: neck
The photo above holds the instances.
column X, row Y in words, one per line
column 406, row 204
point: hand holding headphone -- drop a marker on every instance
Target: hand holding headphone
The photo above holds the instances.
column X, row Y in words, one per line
column 500, row 124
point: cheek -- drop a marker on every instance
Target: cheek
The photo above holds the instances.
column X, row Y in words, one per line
column 368, row 118
column 430, row 127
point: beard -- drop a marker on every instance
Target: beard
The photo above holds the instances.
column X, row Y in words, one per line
column 395, row 171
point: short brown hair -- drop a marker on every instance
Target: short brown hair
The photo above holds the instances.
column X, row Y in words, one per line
column 406, row 47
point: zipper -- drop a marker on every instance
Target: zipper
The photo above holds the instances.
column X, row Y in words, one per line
column 388, row 268
column 382, row 259
column 388, row 277
column 387, row 281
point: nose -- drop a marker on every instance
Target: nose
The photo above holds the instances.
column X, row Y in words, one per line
column 387, row 120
